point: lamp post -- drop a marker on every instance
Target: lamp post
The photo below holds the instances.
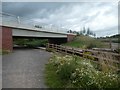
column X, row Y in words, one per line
column 18, row 19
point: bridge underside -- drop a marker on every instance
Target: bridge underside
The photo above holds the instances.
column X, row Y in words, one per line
column 55, row 40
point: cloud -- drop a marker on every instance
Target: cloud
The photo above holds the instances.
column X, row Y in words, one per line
column 27, row 9
column 98, row 16
column 107, row 31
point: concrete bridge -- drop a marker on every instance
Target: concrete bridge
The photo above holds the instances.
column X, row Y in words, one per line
column 14, row 26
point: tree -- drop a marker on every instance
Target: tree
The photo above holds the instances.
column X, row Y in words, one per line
column 94, row 35
column 84, row 31
column 88, row 31
column 81, row 32
column 37, row 26
column 70, row 31
column 91, row 33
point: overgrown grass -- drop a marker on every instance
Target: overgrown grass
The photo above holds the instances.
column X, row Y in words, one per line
column 75, row 72
column 2, row 52
column 86, row 42
column 51, row 77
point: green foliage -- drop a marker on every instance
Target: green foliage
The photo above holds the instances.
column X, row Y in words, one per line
column 51, row 77
column 19, row 41
column 86, row 76
column 66, row 68
column 85, row 55
column 36, row 43
column 118, row 50
column 91, row 45
column 87, row 32
column 84, row 31
column 85, row 42
column 37, row 26
column 77, row 72
column 49, row 49
column 115, row 36
column 65, row 71
column 30, row 42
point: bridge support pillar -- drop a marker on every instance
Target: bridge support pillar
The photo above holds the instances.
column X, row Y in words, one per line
column 6, row 41
column 70, row 37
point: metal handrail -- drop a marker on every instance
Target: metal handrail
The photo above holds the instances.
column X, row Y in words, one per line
column 13, row 19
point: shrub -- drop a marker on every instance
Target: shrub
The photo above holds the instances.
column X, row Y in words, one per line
column 65, row 71
column 81, row 73
column 49, row 49
column 91, row 45
column 32, row 43
column 86, row 42
column 117, row 50
column 90, row 78
column 85, row 55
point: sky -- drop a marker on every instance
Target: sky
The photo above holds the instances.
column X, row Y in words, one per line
column 100, row 17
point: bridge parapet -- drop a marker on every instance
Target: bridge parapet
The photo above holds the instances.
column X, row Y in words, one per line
column 16, row 21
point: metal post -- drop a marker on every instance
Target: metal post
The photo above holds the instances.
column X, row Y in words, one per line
column 18, row 19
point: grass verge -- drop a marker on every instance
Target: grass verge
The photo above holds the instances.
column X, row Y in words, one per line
column 51, row 77
column 2, row 52
column 86, row 42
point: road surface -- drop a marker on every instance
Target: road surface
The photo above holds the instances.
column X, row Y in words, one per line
column 24, row 68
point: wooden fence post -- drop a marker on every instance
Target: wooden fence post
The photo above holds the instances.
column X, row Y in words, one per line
column 73, row 51
column 47, row 46
column 65, row 50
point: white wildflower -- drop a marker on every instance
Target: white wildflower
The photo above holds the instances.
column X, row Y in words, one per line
column 77, row 69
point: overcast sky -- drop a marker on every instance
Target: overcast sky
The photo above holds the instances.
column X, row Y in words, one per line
column 101, row 17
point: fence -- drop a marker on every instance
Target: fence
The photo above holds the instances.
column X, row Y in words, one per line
column 94, row 56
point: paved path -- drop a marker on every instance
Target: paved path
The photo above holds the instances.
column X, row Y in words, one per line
column 24, row 69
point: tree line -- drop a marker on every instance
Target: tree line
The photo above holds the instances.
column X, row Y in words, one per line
column 84, row 31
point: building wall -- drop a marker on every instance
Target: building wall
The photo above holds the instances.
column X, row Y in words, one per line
column 7, row 41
